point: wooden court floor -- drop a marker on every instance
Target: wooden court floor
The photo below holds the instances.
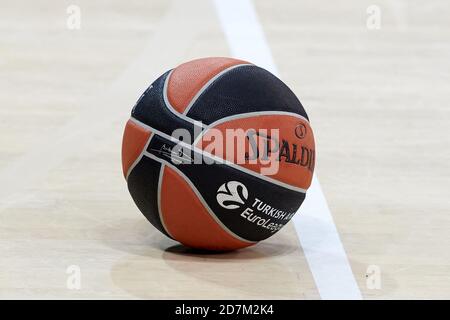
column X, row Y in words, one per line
column 377, row 99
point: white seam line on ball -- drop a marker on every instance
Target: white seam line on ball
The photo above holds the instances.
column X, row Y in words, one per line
column 160, row 179
column 244, row 116
column 171, row 108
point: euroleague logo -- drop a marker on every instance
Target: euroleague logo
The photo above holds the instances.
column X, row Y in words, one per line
column 232, row 195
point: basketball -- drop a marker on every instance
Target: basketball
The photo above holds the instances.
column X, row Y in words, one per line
column 218, row 154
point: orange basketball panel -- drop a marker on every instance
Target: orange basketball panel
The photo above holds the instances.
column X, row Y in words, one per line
column 188, row 221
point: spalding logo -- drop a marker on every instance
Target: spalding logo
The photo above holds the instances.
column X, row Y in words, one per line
column 232, row 194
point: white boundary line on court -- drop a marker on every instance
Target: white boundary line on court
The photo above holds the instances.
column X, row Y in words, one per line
column 314, row 223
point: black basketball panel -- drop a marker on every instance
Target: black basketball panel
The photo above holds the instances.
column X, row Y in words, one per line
column 243, row 89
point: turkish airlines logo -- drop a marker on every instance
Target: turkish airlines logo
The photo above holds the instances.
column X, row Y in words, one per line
column 232, row 194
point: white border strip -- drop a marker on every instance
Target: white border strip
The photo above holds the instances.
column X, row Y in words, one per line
column 314, row 223
column 199, row 196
